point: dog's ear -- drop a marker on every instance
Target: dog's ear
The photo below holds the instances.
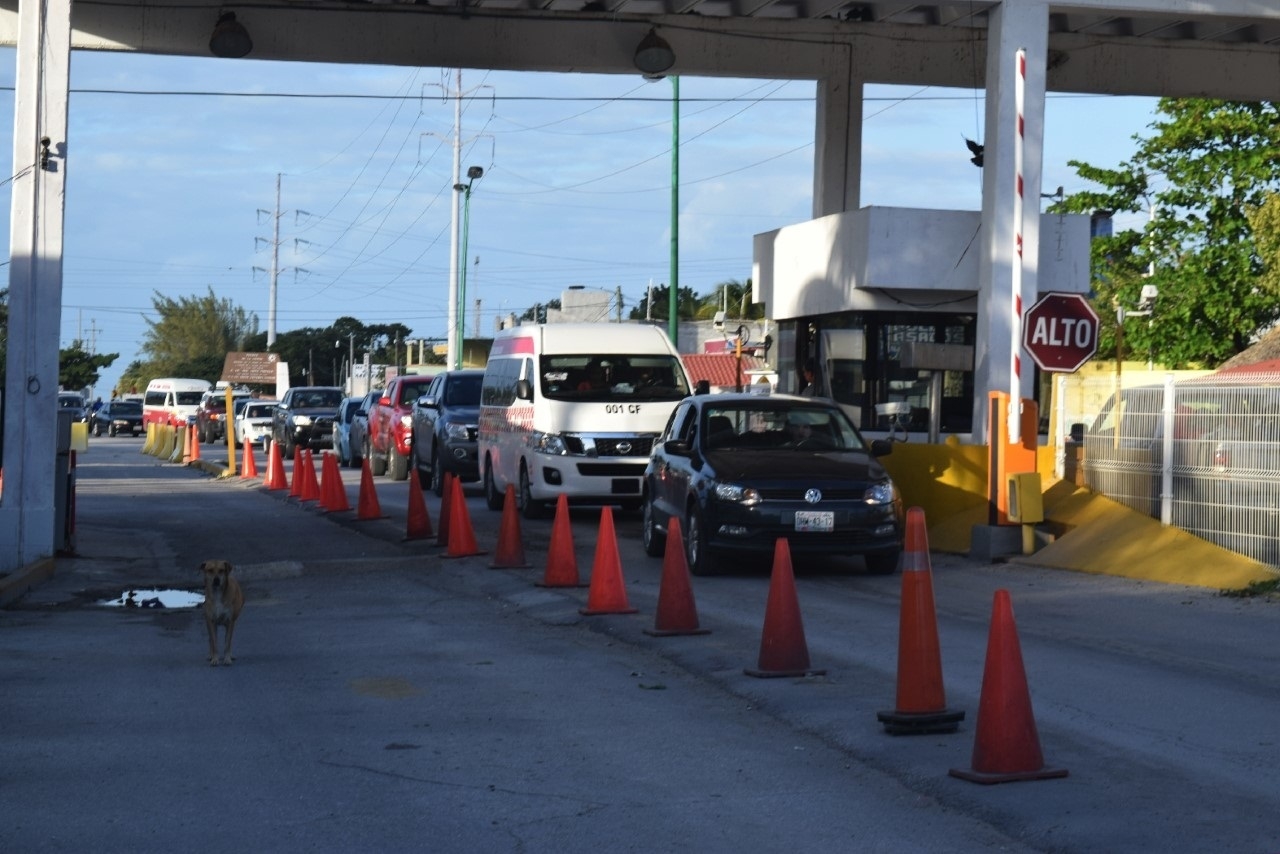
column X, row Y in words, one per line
column 203, row 568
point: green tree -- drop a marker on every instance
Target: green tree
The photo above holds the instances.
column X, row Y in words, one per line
column 687, row 304
column 316, row 355
column 79, row 369
column 737, row 295
column 192, row 335
column 538, row 313
column 1206, row 165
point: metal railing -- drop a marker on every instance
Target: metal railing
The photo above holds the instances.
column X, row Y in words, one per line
column 1202, row 454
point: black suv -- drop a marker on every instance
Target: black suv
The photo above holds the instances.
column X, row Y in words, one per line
column 304, row 418
column 445, row 420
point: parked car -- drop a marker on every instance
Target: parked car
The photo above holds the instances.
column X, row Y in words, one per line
column 742, row 470
column 342, row 428
column 304, row 418
column 70, row 401
column 358, row 437
column 391, row 426
column 117, row 416
column 445, row 421
column 253, row 421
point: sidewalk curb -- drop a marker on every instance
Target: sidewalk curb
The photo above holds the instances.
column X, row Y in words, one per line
column 21, row 581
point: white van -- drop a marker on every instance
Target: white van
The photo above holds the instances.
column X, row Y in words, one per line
column 172, row 400
column 574, row 409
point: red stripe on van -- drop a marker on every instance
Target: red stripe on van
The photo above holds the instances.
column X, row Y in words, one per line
column 509, row 346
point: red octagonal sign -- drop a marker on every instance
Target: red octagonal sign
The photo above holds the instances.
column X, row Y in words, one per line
column 1060, row 332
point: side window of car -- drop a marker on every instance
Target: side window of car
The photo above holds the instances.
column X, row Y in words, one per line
column 680, row 426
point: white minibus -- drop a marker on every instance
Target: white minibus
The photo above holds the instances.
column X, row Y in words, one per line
column 172, row 400
column 574, row 409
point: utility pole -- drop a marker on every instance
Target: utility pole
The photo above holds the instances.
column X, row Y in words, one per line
column 455, row 298
column 673, row 298
column 619, row 298
column 274, row 272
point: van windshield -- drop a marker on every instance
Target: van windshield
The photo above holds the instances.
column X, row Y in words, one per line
column 188, row 398
column 612, row 377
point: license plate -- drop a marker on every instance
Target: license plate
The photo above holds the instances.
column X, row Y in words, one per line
column 815, row 520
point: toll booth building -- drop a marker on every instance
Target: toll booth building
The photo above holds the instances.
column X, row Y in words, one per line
column 886, row 303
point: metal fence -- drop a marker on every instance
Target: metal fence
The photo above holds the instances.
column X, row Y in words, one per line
column 1202, row 454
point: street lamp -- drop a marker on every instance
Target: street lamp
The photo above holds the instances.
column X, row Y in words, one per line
column 473, row 173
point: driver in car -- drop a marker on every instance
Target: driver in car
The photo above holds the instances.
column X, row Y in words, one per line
column 798, row 431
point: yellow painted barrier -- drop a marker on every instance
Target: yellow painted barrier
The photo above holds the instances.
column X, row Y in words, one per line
column 149, row 445
column 80, row 436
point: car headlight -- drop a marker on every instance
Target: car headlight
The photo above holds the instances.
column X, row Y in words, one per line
column 880, row 493
column 456, row 431
column 302, row 420
column 548, row 443
column 737, row 494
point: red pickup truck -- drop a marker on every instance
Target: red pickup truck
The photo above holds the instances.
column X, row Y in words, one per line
column 391, row 425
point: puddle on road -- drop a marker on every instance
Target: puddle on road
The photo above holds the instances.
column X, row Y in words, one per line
column 154, row 598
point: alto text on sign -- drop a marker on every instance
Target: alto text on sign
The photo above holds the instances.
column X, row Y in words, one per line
column 1060, row 332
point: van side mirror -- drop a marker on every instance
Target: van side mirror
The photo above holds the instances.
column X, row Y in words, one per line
column 524, row 390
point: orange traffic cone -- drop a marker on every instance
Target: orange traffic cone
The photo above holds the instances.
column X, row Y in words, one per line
column 310, row 486
column 1007, row 746
column 367, row 506
column 921, row 702
column 608, row 593
column 562, row 563
column 337, row 495
column 677, row 613
column 419, row 527
column 446, row 501
column 295, row 484
column 462, row 540
column 275, row 469
column 783, row 651
column 250, row 469
column 510, row 551
column 195, row 444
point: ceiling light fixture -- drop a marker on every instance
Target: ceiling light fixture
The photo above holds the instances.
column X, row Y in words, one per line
column 654, row 56
column 230, row 39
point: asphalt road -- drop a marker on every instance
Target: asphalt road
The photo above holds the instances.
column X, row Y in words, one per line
column 387, row 698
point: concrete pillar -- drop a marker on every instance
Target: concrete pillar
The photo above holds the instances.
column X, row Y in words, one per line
column 837, row 159
column 35, row 282
column 1011, row 27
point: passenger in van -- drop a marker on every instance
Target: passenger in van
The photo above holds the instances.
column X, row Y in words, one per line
column 594, row 379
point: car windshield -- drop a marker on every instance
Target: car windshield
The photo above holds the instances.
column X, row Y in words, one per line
column 319, row 399
column 126, row 408
column 463, row 391
column 764, row 426
column 258, row 410
column 613, row 377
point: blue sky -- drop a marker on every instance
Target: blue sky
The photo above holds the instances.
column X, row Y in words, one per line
column 165, row 191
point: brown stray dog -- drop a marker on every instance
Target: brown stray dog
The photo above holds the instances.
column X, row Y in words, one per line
column 223, row 601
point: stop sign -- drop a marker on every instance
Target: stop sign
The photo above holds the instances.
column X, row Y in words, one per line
column 1060, row 332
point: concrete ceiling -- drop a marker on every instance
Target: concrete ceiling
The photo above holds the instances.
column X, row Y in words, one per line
column 1222, row 48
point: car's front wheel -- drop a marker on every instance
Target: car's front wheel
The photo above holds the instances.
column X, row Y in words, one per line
column 492, row 499
column 437, row 474
column 397, row 465
column 655, row 542
column 529, row 508
column 700, row 560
